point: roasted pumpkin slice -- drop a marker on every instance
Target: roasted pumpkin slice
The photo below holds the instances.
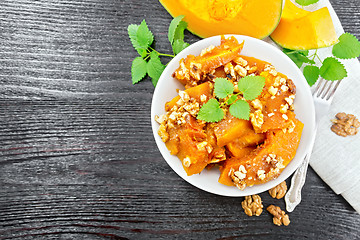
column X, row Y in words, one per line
column 255, row 18
column 302, row 30
column 268, row 160
column 194, row 69
column 185, row 141
column 231, row 128
column 277, row 97
column 204, row 89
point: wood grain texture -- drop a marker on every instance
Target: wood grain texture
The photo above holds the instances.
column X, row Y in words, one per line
column 77, row 156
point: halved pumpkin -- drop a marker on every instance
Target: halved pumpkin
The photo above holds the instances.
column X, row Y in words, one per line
column 302, row 30
column 206, row 18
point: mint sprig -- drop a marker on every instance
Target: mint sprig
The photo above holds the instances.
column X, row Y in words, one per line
column 331, row 68
column 250, row 87
column 149, row 62
column 299, row 57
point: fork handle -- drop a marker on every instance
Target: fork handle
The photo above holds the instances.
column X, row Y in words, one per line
column 293, row 196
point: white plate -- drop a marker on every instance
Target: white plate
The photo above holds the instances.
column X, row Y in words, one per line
column 207, row 180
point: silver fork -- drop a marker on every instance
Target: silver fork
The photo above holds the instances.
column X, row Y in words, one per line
column 323, row 95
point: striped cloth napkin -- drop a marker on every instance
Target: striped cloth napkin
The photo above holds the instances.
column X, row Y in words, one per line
column 337, row 159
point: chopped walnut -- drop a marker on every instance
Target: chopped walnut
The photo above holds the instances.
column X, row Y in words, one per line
column 284, row 108
column 202, row 146
column 257, row 104
column 270, row 69
column 237, row 178
column 280, row 217
column 279, row 81
column 290, row 99
column 163, row 133
column 278, row 191
column 257, row 118
column 261, row 174
column 345, row 124
column 252, row 69
column 242, row 62
column 183, row 72
column 240, row 70
column 187, row 162
column 229, row 69
column 195, row 71
column 252, row 205
column 291, row 86
column 161, row 119
column 272, row 90
column 291, row 127
column 203, row 97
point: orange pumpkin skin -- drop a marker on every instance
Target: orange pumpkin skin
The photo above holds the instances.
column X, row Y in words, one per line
column 206, row 18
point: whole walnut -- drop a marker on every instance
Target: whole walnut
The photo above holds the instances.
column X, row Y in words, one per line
column 278, row 191
column 252, row 205
column 280, row 217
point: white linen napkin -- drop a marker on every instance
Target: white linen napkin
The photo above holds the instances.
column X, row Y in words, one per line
column 337, row 159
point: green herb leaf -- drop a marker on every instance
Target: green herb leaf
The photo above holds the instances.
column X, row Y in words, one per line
column 299, row 57
column 306, row 2
column 179, row 45
column 173, row 26
column 138, row 69
column 311, row 74
column 144, row 35
column 154, row 67
column 240, row 109
column 347, row 47
column 332, row 69
column 179, row 31
column 251, row 86
column 211, row 111
column 231, row 99
column 132, row 30
column 223, row 87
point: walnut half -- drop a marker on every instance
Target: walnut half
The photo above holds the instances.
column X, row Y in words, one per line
column 280, row 217
column 345, row 124
column 252, row 205
column 278, row 191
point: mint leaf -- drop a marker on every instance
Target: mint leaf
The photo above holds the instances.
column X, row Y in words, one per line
column 173, row 27
column 251, row 86
column 332, row 69
column 179, row 32
column 223, row 87
column 347, row 47
column 132, row 30
column 311, row 73
column 138, row 69
column 231, row 99
column 144, row 35
column 306, row 2
column 154, row 67
column 240, row 109
column 299, row 57
column 211, row 111
column 179, row 45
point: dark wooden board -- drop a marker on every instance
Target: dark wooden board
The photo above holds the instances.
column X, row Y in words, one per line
column 77, row 156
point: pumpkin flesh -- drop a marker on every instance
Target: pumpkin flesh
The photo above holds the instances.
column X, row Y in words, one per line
column 303, row 30
column 256, row 18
